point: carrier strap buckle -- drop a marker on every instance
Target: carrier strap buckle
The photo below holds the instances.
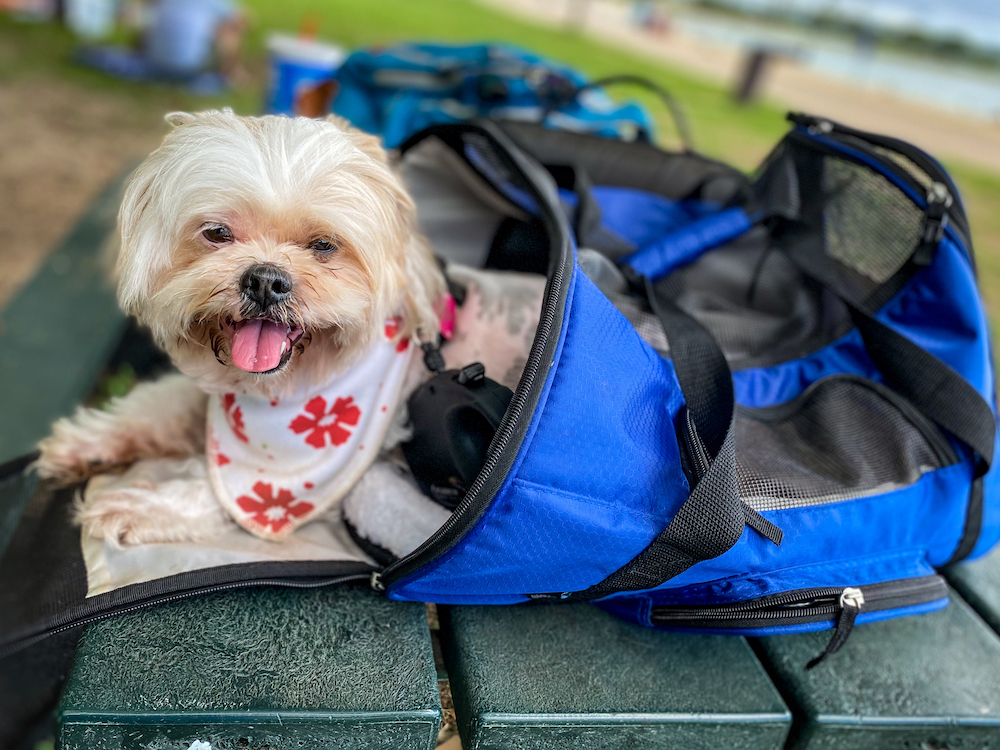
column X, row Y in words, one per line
column 939, row 200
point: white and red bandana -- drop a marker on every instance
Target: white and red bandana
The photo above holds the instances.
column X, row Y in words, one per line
column 274, row 465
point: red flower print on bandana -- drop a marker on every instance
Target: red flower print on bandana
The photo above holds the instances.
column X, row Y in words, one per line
column 215, row 450
column 391, row 329
column 320, row 423
column 270, row 511
column 234, row 417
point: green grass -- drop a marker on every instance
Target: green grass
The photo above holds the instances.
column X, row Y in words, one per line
column 739, row 135
column 113, row 384
column 980, row 189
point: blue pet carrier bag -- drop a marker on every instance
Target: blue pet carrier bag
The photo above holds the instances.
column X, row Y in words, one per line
column 781, row 420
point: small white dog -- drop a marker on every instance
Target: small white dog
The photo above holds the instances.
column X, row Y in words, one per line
column 278, row 262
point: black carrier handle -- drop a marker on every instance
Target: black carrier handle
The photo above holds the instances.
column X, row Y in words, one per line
column 680, row 121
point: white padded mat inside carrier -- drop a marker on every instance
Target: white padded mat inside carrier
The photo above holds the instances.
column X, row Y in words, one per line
column 111, row 566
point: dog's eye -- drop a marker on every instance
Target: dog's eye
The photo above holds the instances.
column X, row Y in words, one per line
column 218, row 235
column 323, row 246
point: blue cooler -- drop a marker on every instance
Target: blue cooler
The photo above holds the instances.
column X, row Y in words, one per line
column 299, row 67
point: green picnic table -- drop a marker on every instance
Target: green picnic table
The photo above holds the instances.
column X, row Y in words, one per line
column 343, row 667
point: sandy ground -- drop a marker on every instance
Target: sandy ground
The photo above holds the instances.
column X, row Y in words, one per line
column 59, row 148
column 794, row 86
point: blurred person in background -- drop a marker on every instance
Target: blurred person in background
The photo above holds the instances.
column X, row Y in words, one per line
column 195, row 42
column 186, row 38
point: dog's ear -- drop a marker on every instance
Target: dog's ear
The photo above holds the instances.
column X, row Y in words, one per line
column 421, row 278
column 366, row 142
column 424, row 289
column 419, row 274
column 176, row 119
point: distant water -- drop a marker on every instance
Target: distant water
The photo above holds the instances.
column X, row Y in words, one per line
column 951, row 86
column 976, row 21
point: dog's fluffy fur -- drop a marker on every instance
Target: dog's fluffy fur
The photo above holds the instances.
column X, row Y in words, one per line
column 277, row 185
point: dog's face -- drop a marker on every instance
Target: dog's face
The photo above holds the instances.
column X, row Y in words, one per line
column 265, row 253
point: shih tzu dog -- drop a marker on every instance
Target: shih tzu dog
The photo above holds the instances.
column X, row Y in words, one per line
column 279, row 263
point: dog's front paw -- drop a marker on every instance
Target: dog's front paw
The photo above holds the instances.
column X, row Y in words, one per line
column 75, row 451
column 124, row 520
column 119, row 518
column 157, row 501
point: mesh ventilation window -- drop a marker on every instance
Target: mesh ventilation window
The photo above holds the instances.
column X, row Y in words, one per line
column 841, row 439
column 869, row 224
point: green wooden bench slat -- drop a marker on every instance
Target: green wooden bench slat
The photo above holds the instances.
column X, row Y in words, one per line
column 573, row 676
column 274, row 668
column 979, row 584
column 58, row 332
column 931, row 681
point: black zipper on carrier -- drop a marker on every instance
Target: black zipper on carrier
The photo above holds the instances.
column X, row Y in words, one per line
column 697, row 455
column 468, row 511
column 800, row 606
column 843, row 603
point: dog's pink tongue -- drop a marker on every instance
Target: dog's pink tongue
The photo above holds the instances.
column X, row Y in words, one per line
column 258, row 344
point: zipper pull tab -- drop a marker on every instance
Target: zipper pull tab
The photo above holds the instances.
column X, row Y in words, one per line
column 814, row 125
column 376, row 582
column 821, row 127
column 939, row 200
column 852, row 600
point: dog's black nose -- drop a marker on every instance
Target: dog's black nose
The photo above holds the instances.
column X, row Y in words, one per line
column 265, row 286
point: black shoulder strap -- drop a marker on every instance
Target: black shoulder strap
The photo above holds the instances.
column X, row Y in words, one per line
column 929, row 384
column 937, row 390
column 712, row 518
column 933, row 387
